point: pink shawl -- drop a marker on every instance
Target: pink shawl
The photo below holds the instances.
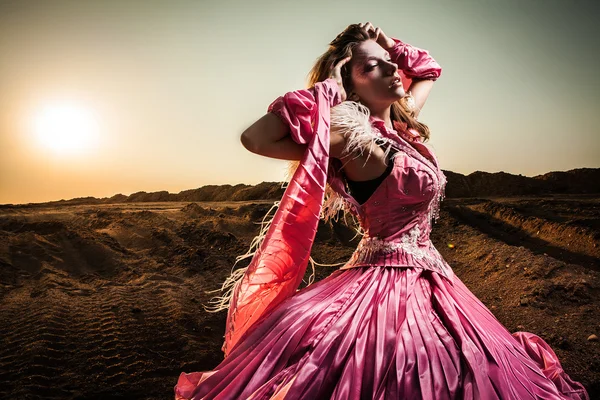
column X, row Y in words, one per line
column 279, row 264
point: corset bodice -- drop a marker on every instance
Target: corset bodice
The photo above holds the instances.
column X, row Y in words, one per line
column 397, row 218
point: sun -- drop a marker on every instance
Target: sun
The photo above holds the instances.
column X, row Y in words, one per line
column 65, row 128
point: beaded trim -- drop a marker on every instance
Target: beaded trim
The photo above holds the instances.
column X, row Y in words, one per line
column 408, row 243
column 434, row 208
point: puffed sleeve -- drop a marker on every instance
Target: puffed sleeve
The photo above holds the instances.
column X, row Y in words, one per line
column 298, row 109
column 414, row 62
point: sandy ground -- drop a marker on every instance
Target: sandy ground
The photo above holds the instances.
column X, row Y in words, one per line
column 105, row 301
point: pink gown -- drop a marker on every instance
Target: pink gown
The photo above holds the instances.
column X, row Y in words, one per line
column 395, row 322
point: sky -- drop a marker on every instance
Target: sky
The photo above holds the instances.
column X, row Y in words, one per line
column 105, row 97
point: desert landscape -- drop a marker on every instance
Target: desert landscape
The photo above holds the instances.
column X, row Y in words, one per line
column 103, row 298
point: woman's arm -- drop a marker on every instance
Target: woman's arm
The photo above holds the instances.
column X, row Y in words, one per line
column 270, row 137
column 418, row 65
column 284, row 132
column 420, row 90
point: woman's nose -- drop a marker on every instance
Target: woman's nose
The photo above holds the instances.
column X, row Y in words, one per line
column 393, row 67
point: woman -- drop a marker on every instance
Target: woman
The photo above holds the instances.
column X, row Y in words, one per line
column 394, row 322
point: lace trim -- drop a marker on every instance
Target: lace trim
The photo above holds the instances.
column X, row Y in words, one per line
column 408, row 242
column 373, row 246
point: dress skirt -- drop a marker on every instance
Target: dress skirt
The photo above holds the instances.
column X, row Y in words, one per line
column 383, row 333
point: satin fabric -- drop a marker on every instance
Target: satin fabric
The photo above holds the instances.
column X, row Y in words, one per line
column 384, row 333
column 277, row 268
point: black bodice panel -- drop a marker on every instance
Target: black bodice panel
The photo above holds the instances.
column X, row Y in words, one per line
column 362, row 190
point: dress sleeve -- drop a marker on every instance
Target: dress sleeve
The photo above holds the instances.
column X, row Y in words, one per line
column 298, row 109
column 414, row 62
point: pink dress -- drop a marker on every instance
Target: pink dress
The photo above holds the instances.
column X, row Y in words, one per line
column 395, row 322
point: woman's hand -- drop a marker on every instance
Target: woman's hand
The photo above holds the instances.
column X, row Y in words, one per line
column 336, row 73
column 377, row 34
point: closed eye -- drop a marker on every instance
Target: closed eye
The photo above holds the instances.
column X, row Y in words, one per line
column 371, row 66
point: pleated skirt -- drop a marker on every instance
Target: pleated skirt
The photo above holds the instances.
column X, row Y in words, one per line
column 383, row 333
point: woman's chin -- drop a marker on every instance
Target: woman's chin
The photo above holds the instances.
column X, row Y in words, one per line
column 398, row 93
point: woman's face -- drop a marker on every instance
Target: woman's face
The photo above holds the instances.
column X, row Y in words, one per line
column 372, row 73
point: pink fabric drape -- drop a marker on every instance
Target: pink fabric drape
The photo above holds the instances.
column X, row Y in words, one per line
column 279, row 264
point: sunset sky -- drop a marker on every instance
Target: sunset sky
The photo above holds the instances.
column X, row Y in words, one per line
column 106, row 97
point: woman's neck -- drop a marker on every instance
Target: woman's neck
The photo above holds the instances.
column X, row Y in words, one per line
column 383, row 114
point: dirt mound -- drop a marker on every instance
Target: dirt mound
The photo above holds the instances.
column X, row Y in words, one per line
column 195, row 210
column 479, row 183
column 580, row 180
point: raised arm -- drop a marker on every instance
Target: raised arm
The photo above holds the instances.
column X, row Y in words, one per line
column 417, row 65
column 420, row 89
column 420, row 70
column 270, row 137
column 290, row 121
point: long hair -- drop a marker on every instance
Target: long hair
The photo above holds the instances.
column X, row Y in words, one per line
column 339, row 48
